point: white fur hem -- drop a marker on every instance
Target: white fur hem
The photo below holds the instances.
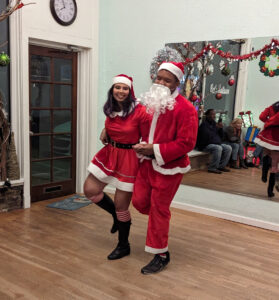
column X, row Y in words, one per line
column 120, row 185
column 154, row 250
column 173, row 171
column 158, row 156
column 266, row 145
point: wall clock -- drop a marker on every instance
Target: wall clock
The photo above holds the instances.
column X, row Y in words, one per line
column 64, row 11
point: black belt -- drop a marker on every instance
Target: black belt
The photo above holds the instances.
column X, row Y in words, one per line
column 119, row 145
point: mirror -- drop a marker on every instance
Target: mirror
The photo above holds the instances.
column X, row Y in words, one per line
column 236, row 80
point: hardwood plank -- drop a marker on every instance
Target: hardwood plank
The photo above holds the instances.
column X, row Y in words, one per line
column 242, row 182
column 49, row 253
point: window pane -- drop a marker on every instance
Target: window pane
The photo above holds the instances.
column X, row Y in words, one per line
column 40, row 121
column 62, row 70
column 62, row 145
column 40, row 172
column 61, row 169
column 62, row 96
column 40, row 147
column 62, row 121
column 40, row 95
column 40, row 68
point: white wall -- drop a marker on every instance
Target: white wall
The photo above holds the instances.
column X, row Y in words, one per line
column 34, row 24
column 262, row 91
column 131, row 32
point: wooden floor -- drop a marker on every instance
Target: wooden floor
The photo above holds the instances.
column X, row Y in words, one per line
column 54, row 254
column 242, row 182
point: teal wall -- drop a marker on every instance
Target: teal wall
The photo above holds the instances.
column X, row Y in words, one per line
column 132, row 31
column 262, row 91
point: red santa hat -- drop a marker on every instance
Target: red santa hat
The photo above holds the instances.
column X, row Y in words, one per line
column 122, row 78
column 176, row 68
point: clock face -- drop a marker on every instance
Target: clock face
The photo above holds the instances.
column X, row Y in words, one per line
column 64, row 11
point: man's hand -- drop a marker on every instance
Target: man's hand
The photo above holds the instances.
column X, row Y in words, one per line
column 104, row 137
column 144, row 149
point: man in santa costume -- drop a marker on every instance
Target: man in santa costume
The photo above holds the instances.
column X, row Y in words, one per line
column 164, row 158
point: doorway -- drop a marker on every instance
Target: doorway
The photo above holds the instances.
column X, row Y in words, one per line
column 53, row 114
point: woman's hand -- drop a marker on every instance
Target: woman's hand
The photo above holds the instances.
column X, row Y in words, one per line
column 104, row 137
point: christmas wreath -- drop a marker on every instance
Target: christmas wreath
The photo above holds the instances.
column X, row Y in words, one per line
column 269, row 63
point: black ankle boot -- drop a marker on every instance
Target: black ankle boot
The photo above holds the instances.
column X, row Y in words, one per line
column 242, row 164
column 123, row 247
column 271, row 183
column 265, row 168
column 107, row 204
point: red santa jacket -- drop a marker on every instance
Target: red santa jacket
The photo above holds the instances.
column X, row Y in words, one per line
column 269, row 136
column 173, row 134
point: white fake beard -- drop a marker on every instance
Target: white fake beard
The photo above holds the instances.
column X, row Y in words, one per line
column 157, row 99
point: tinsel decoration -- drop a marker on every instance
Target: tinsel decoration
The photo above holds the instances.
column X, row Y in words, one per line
column 4, row 59
column 165, row 54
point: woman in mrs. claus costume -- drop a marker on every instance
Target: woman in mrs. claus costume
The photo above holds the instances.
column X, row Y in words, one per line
column 117, row 164
column 269, row 139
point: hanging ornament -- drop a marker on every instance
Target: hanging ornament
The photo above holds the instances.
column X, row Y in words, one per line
column 269, row 62
column 226, row 70
column 209, row 70
column 4, row 59
column 231, row 81
column 194, row 98
column 218, row 96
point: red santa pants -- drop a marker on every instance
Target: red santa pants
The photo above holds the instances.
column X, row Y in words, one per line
column 153, row 193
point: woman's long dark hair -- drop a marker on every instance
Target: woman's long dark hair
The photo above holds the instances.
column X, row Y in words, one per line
column 111, row 104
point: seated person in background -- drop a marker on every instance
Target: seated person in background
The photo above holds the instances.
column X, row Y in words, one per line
column 210, row 137
column 233, row 138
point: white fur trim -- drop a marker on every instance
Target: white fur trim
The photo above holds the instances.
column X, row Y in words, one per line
column 173, row 69
column 120, row 185
column 154, row 250
column 158, row 156
column 172, row 171
column 122, row 79
column 266, row 145
column 175, row 93
column 153, row 127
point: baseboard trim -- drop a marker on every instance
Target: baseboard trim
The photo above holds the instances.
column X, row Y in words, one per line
column 226, row 216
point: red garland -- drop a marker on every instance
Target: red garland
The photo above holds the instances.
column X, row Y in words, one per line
column 228, row 55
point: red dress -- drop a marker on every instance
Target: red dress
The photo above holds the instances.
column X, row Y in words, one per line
column 269, row 136
column 117, row 166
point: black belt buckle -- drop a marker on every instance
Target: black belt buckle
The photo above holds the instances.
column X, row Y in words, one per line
column 113, row 143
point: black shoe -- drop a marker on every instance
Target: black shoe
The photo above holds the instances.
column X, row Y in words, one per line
column 157, row 264
column 215, row 171
column 119, row 252
column 224, row 169
column 242, row 164
column 108, row 205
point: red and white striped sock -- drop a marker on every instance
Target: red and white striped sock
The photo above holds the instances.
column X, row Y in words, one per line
column 123, row 216
column 97, row 198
